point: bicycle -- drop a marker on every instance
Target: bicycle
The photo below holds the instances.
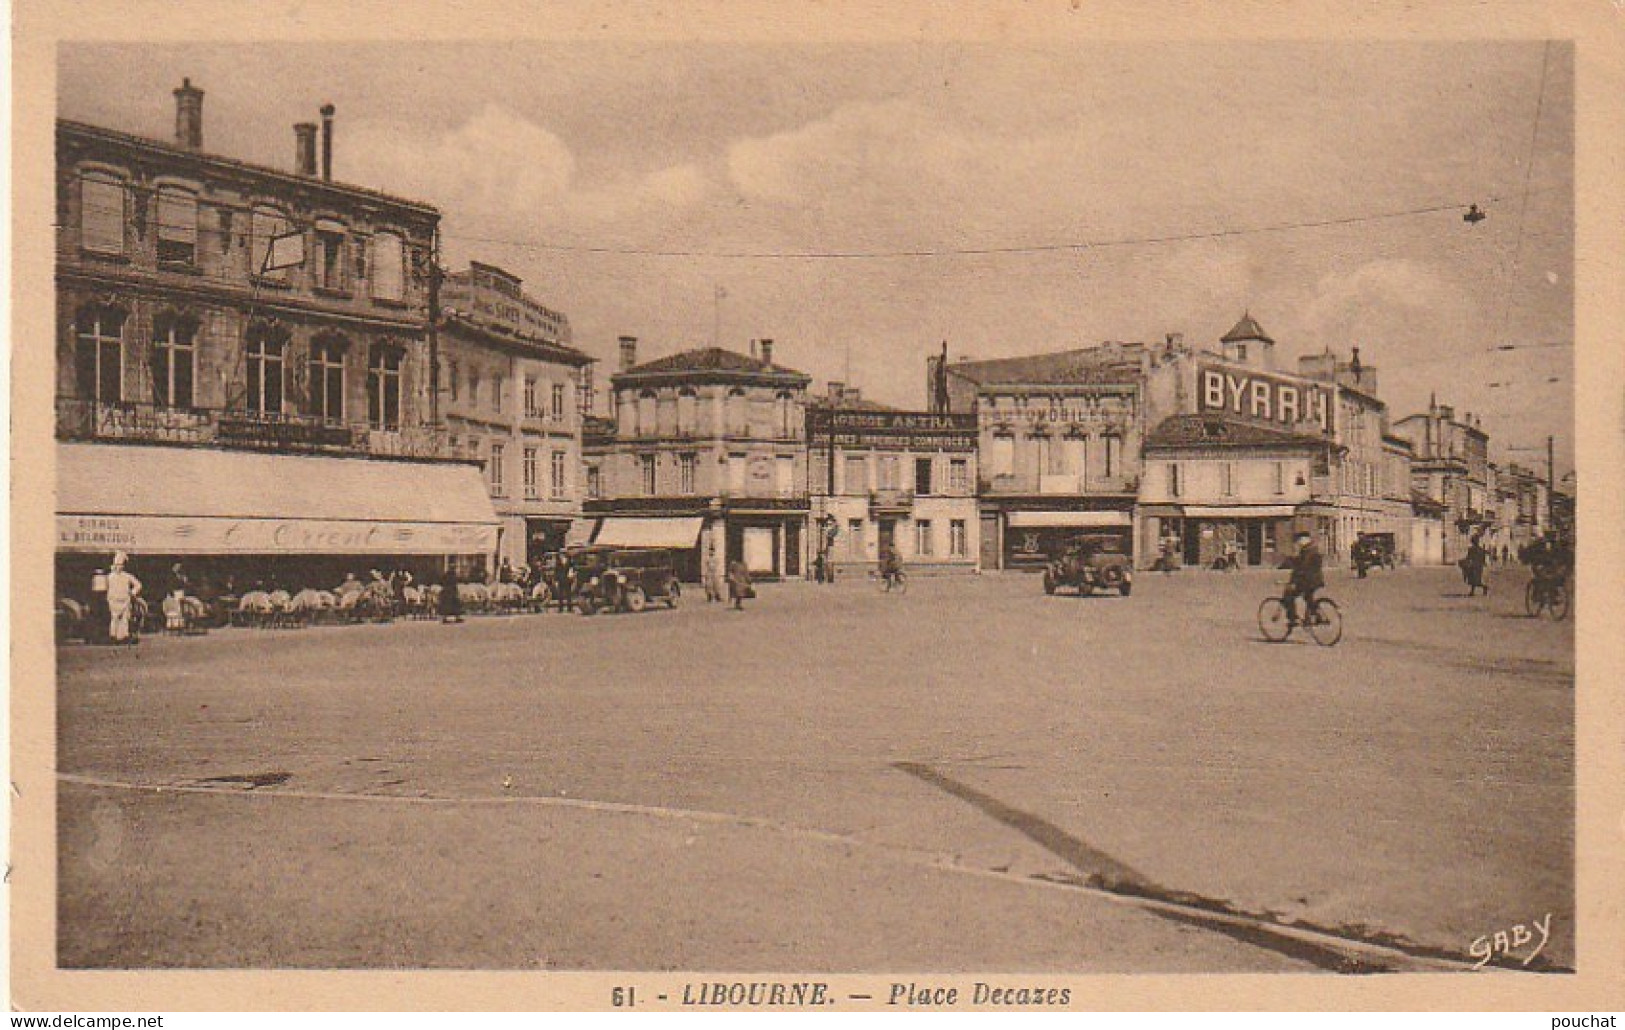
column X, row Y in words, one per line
column 1549, row 596
column 1323, row 620
column 895, row 580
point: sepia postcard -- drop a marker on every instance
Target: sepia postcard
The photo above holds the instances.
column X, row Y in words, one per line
column 689, row 507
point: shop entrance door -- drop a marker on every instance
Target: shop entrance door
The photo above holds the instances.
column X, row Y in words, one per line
column 1255, row 542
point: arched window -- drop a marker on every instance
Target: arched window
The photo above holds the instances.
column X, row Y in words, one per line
column 384, row 387
column 174, row 360
column 99, row 353
column 738, row 412
column 388, row 267
column 647, row 413
column 266, row 365
column 327, row 377
column 102, row 214
column 177, row 226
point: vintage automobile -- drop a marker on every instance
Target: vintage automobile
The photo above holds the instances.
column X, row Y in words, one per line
column 618, row 580
column 1371, row 550
column 1090, row 562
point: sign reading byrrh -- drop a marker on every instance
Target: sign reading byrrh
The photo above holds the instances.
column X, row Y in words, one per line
column 892, row 429
column 1263, row 397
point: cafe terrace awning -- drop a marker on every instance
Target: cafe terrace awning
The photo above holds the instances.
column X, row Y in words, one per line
column 650, row 532
column 1241, row 511
column 1039, row 519
column 181, row 500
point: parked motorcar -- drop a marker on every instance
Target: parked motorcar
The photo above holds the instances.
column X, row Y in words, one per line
column 1090, row 562
column 617, row 580
column 1371, row 550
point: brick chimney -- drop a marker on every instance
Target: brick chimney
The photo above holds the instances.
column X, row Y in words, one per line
column 189, row 116
column 629, row 352
column 304, row 149
column 767, row 352
column 327, row 141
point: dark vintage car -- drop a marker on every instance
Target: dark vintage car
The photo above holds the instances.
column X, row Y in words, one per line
column 1371, row 550
column 610, row 579
column 1090, row 562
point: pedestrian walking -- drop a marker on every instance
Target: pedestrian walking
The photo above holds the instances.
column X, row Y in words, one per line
column 451, row 602
column 1472, row 567
column 739, row 586
column 122, row 591
column 709, row 572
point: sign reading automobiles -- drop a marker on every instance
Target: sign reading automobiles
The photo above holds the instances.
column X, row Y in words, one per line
column 1292, row 403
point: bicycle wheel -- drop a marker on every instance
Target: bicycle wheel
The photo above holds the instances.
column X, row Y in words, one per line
column 1272, row 620
column 1557, row 602
column 901, row 583
column 1326, row 623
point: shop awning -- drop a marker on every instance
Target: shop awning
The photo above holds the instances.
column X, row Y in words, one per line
column 580, row 532
column 1241, row 511
column 188, row 500
column 650, row 532
column 1037, row 519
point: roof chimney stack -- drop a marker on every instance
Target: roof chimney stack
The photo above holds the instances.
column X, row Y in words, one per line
column 327, row 141
column 629, row 352
column 767, row 352
column 304, row 149
column 189, row 116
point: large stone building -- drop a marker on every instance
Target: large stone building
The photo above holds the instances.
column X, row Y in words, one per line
column 1059, row 443
column 243, row 367
column 708, row 457
column 1451, row 468
column 887, row 479
column 511, row 397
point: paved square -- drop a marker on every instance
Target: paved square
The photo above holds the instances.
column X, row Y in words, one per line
column 834, row 779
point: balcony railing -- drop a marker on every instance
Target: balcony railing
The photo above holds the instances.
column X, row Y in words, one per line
column 891, row 500
column 78, row 419
column 1058, row 484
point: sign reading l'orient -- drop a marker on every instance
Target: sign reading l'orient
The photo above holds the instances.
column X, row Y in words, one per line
column 1264, row 397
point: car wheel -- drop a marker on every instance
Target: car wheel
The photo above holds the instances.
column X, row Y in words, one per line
column 1125, row 589
column 636, row 599
column 674, row 593
column 1049, row 582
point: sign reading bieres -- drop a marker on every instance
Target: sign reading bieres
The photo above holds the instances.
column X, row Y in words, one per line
column 1264, row 397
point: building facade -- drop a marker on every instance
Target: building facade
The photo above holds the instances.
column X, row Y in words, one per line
column 708, row 457
column 242, row 366
column 511, row 395
column 1451, row 468
column 887, row 479
column 1059, row 438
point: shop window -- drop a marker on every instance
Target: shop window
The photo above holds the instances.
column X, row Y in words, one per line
column 327, row 378
column 99, row 353
column 101, row 214
column 177, row 226
column 384, row 387
column 265, row 365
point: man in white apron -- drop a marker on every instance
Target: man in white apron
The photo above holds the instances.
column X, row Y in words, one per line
column 122, row 590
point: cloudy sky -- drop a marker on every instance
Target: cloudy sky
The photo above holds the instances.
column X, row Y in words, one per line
column 626, row 183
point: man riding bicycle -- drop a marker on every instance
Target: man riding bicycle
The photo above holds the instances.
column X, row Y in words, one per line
column 891, row 565
column 1307, row 577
